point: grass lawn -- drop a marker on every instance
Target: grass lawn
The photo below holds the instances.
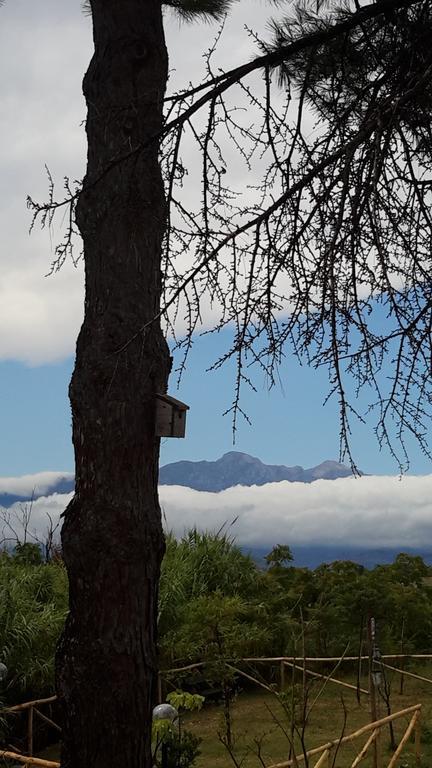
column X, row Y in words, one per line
column 259, row 721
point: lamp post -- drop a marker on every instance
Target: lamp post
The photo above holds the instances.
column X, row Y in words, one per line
column 165, row 712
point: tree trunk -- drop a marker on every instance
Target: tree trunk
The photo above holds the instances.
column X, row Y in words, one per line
column 112, row 536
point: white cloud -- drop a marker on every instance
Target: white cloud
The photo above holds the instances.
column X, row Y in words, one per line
column 42, row 108
column 40, row 483
column 364, row 512
column 44, row 515
column 41, row 122
column 368, row 512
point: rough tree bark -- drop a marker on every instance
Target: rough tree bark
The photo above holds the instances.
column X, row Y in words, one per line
column 112, row 537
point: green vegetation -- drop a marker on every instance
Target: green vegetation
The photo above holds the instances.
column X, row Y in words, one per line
column 33, row 607
column 217, row 606
column 214, row 602
column 181, row 747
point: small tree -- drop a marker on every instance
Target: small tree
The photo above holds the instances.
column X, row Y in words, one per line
column 279, row 557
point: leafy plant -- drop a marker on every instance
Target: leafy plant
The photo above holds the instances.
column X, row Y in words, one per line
column 175, row 747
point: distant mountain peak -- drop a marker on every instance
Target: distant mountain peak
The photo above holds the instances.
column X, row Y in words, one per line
column 237, row 468
column 233, row 468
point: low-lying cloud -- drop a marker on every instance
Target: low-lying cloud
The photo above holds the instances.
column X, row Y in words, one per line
column 38, row 483
column 367, row 512
column 363, row 512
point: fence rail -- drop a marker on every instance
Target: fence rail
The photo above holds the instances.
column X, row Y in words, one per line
column 28, row 760
column 32, row 709
column 324, row 751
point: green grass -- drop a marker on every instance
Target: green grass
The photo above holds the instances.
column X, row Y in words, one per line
column 258, row 719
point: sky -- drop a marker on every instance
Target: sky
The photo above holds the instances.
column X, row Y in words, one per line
column 41, row 122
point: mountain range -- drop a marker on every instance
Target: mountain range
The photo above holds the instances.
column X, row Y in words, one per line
column 233, row 468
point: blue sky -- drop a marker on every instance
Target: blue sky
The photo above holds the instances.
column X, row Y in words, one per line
column 41, row 121
column 290, row 425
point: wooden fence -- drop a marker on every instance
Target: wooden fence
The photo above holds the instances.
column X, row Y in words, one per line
column 326, row 752
column 293, row 662
column 32, row 709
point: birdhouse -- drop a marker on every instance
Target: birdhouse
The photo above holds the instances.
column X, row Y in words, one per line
column 170, row 416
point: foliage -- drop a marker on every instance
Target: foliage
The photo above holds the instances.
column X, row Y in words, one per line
column 184, row 700
column 33, row 607
column 181, row 747
column 217, row 605
column 221, row 605
column 197, row 565
column 279, row 556
column 28, row 553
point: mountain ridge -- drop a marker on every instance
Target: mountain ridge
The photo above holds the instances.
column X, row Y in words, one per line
column 236, row 468
column 231, row 469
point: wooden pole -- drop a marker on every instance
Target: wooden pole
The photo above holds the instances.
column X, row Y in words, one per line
column 47, row 719
column 326, row 677
column 417, row 740
column 372, row 689
column 362, row 754
column 402, row 679
column 30, row 731
column 403, row 741
column 184, row 669
column 249, row 677
column 282, row 676
column 331, row 658
column 29, row 704
column 27, row 760
column 408, row 674
column 323, row 760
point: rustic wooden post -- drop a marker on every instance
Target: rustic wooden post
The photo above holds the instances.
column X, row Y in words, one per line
column 403, row 660
column 376, row 758
column 30, row 732
column 282, row 676
column 417, row 739
column 378, row 743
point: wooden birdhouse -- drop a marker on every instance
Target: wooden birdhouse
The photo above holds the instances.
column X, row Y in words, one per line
column 170, row 416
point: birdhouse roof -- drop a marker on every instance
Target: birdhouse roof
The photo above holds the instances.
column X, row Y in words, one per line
column 174, row 402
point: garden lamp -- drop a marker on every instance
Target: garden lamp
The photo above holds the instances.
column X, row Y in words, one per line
column 165, row 712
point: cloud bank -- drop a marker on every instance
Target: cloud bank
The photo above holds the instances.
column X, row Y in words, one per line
column 368, row 512
column 39, row 483
column 41, row 122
